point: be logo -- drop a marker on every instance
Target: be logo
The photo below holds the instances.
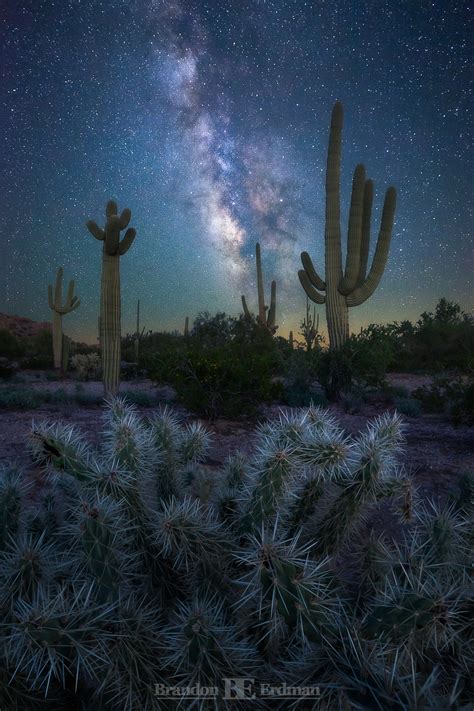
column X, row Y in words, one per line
column 239, row 688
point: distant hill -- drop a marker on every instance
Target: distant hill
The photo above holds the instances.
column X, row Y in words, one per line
column 22, row 326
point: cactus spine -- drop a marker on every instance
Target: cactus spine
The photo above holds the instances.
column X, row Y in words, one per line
column 353, row 286
column 264, row 319
column 60, row 342
column 110, row 307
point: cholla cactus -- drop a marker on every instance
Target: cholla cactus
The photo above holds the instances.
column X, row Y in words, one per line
column 131, row 569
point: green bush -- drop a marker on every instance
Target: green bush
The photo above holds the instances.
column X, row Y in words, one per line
column 408, row 406
column 135, row 566
column 19, row 399
column 221, row 373
column 300, row 370
column 10, row 346
column 450, row 395
column 87, row 366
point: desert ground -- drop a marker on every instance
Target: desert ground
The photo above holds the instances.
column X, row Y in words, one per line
column 437, row 453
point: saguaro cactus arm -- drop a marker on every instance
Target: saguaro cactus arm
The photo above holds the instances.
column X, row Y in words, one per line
column 260, row 292
column 365, row 232
column 354, row 232
column 311, row 272
column 363, row 292
column 309, row 289
column 272, row 310
column 111, row 234
column 55, row 304
column 245, row 307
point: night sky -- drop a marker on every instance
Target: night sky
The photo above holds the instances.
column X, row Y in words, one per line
column 210, row 121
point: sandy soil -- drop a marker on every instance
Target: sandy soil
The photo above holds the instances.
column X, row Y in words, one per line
column 437, row 453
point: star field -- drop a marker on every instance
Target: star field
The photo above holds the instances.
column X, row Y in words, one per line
column 210, row 121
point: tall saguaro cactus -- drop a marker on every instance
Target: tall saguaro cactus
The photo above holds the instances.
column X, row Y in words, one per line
column 113, row 249
column 264, row 319
column 60, row 344
column 353, row 286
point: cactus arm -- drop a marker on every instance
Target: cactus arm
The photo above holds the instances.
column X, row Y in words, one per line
column 354, row 233
column 365, row 234
column 363, row 292
column 70, row 293
column 309, row 289
column 272, row 309
column 125, row 218
column 313, row 276
column 50, row 297
column 261, row 296
column 127, row 241
column 95, row 230
column 245, row 307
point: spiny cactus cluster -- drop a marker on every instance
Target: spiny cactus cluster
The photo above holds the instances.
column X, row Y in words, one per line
column 137, row 565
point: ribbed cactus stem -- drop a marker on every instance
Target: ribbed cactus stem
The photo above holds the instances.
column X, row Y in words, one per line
column 352, row 287
column 59, row 308
column 186, row 327
column 290, row 340
column 110, row 322
column 272, row 311
column 110, row 328
column 260, row 292
column 267, row 320
column 336, row 307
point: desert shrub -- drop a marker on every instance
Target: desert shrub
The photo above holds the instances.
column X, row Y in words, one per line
column 408, row 406
column 10, row 345
column 353, row 401
column 221, row 374
column 335, row 373
column 451, row 395
column 82, row 397
column 300, row 371
column 19, row 399
column 87, row 366
column 140, row 398
column 135, row 566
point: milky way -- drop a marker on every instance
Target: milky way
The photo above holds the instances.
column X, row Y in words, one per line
column 210, row 121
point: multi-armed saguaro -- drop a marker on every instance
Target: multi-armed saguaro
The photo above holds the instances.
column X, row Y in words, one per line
column 354, row 286
column 265, row 320
column 113, row 249
column 60, row 341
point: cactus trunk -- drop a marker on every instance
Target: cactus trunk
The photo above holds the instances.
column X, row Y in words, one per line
column 57, row 339
column 110, row 322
